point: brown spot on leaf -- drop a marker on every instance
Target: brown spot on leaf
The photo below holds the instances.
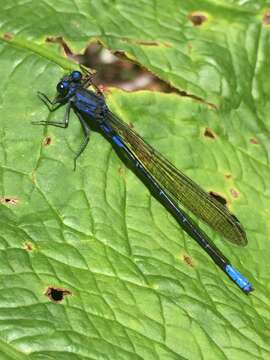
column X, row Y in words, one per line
column 9, row 200
column 235, row 193
column 254, row 141
column 218, row 197
column 122, row 171
column 47, row 141
column 188, row 260
column 209, row 133
column 266, row 18
column 144, row 42
column 8, row 36
column 56, row 295
column 228, row 176
column 197, row 18
column 28, row 246
column 147, row 43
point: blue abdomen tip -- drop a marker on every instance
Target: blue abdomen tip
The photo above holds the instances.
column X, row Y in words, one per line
column 239, row 279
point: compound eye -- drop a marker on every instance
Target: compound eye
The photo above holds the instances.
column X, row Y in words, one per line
column 62, row 87
column 76, row 76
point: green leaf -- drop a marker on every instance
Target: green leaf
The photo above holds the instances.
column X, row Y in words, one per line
column 135, row 286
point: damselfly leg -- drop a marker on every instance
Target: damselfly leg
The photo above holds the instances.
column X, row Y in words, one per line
column 62, row 124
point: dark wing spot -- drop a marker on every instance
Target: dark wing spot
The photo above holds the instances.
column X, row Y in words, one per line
column 219, row 198
column 235, row 218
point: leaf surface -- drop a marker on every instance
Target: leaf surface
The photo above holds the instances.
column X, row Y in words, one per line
column 139, row 287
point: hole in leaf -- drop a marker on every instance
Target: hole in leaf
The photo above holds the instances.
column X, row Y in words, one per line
column 197, row 18
column 114, row 69
column 57, row 294
column 219, row 198
column 60, row 40
column 9, row 200
column 117, row 70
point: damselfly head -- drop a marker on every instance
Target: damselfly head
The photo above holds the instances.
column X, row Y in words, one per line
column 63, row 87
column 69, row 83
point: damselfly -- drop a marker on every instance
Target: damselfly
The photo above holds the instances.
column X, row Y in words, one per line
column 169, row 185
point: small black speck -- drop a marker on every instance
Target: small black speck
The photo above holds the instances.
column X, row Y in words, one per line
column 197, row 18
column 209, row 133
